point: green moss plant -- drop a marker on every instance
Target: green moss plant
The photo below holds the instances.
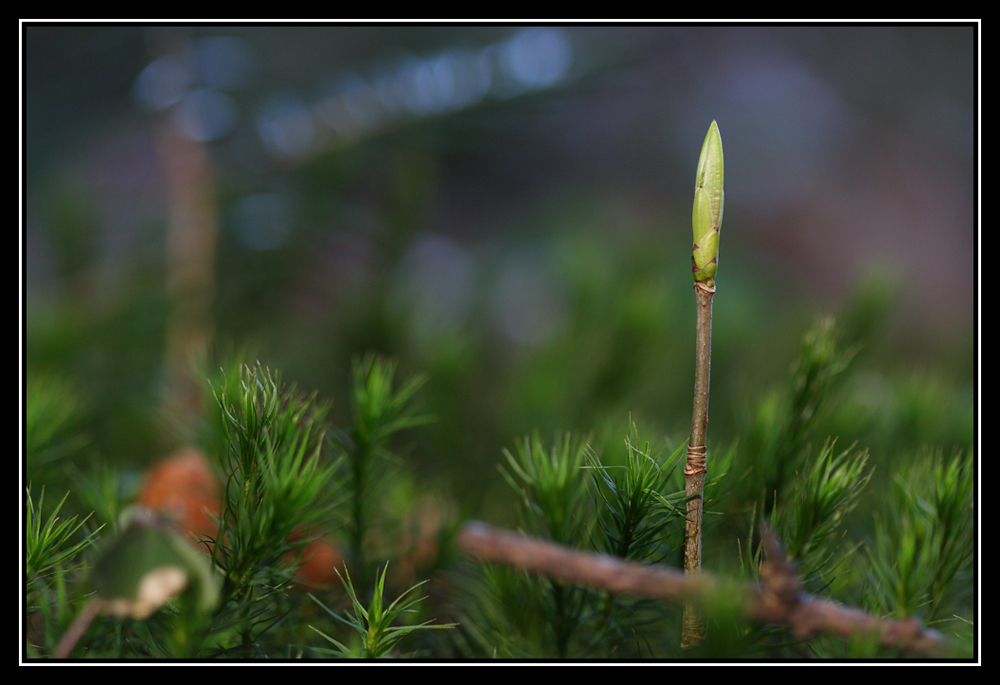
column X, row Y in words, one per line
column 375, row 634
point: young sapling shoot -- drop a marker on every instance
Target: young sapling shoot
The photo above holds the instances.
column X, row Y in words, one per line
column 706, row 219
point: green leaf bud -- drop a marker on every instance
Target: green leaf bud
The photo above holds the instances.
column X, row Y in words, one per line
column 709, row 201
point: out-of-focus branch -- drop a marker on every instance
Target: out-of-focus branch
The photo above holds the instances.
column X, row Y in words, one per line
column 191, row 235
column 778, row 599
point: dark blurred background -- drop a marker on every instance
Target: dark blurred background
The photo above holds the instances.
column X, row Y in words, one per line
column 505, row 209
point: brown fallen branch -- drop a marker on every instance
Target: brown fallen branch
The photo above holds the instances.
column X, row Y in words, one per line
column 778, row 599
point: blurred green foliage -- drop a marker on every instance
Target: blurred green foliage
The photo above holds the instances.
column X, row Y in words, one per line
column 622, row 346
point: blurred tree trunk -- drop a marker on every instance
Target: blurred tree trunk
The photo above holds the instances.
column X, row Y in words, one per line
column 191, row 234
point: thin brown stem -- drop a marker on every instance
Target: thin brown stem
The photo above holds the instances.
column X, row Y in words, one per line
column 73, row 634
column 697, row 455
column 777, row 599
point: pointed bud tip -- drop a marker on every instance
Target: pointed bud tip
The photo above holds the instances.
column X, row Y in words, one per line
column 709, row 199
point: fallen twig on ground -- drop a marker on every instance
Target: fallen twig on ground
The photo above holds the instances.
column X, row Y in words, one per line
column 778, row 599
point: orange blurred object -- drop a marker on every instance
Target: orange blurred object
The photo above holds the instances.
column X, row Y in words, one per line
column 320, row 563
column 183, row 489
